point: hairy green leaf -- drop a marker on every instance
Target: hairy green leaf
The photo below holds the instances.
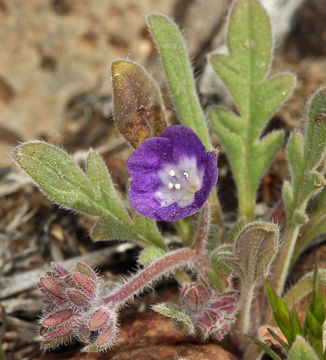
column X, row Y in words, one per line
column 244, row 72
column 254, row 251
column 304, row 154
column 150, row 254
column 170, row 310
column 55, row 172
column 301, row 350
column 179, row 74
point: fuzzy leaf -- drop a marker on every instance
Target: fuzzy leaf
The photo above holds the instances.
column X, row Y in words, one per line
column 150, row 254
column 139, row 111
column 169, row 310
column 255, row 248
column 179, row 74
column 220, row 276
column 244, row 72
column 58, row 176
column 108, row 228
column 103, row 188
column 55, row 172
column 304, row 156
column 301, row 350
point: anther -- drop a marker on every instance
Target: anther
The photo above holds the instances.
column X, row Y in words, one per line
column 185, row 174
column 177, row 186
column 170, row 186
column 172, row 173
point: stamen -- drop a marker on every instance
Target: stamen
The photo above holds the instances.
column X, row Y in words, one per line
column 186, row 175
column 177, row 186
column 170, row 186
column 172, row 173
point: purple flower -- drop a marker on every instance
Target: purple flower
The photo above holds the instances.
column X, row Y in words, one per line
column 172, row 175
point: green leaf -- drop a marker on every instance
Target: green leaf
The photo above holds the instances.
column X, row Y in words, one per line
column 302, row 351
column 255, row 248
column 281, row 314
column 316, row 226
column 58, row 176
column 179, row 74
column 264, row 347
column 171, row 311
column 220, row 277
column 244, row 73
column 304, row 157
column 103, row 188
column 55, row 172
column 107, row 228
column 150, row 254
column 139, row 112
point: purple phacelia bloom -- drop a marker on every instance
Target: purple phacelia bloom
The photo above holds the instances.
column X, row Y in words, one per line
column 172, row 175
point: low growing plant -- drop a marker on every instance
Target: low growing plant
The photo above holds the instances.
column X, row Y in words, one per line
column 173, row 172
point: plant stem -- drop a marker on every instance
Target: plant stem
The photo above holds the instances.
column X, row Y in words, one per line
column 242, row 326
column 246, row 202
column 146, row 277
column 309, row 232
column 282, row 265
column 202, row 233
column 217, row 217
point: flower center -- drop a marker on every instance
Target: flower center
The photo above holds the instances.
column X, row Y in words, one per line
column 179, row 182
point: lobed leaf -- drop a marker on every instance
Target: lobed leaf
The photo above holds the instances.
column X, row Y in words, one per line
column 55, row 172
column 244, row 73
column 139, row 112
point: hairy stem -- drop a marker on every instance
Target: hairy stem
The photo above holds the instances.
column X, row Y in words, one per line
column 217, row 217
column 154, row 271
column 308, row 233
column 242, row 326
column 282, row 264
column 202, row 233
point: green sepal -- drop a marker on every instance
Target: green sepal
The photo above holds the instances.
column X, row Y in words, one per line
column 301, row 350
column 179, row 74
column 171, row 311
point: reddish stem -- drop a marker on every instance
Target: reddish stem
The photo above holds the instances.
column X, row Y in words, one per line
column 203, row 230
column 152, row 272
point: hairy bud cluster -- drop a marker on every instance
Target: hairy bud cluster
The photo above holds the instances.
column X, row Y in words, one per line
column 212, row 313
column 73, row 308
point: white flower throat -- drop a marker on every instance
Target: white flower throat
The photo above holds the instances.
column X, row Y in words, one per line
column 179, row 182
